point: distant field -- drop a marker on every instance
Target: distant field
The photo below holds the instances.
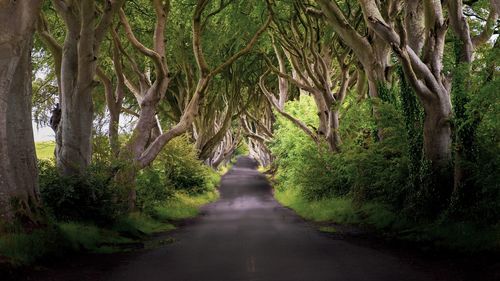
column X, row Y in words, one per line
column 45, row 149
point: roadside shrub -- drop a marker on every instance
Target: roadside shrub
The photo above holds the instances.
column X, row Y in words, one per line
column 181, row 167
column 484, row 197
column 86, row 198
column 381, row 172
column 322, row 174
column 177, row 169
column 101, row 150
column 153, row 188
column 364, row 169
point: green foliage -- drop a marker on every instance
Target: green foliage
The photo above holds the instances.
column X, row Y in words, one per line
column 84, row 214
column 365, row 170
column 387, row 94
column 478, row 135
column 303, row 163
column 179, row 161
column 86, row 198
column 86, row 227
column 59, row 239
column 177, row 183
column 242, row 149
column 369, row 180
column 176, row 170
column 413, row 115
column 152, row 189
column 101, row 150
column 424, row 188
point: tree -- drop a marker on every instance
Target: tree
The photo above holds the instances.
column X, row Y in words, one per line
column 18, row 169
column 372, row 51
column 317, row 59
column 465, row 49
column 425, row 71
column 80, row 53
column 142, row 149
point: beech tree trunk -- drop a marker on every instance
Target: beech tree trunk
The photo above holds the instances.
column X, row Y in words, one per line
column 78, row 68
column 333, row 136
column 114, row 104
column 18, row 171
column 424, row 74
column 372, row 53
column 74, row 134
column 322, row 111
column 437, row 133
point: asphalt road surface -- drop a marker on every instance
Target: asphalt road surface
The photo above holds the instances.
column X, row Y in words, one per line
column 248, row 236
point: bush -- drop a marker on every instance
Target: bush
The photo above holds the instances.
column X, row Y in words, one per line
column 153, row 188
column 177, row 169
column 365, row 169
column 87, row 198
column 181, row 167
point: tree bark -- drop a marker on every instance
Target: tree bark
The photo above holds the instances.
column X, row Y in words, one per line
column 424, row 74
column 18, row 171
column 465, row 56
column 282, row 82
column 437, row 132
column 414, row 21
column 141, row 150
column 78, row 69
column 374, row 55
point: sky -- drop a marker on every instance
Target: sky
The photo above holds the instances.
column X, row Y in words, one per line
column 47, row 134
column 43, row 134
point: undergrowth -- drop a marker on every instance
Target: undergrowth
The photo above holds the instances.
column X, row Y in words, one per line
column 374, row 183
column 83, row 214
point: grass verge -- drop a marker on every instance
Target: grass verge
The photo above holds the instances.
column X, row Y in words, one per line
column 338, row 210
column 184, row 206
column 465, row 237
column 61, row 238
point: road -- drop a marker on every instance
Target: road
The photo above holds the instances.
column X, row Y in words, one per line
column 248, row 236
